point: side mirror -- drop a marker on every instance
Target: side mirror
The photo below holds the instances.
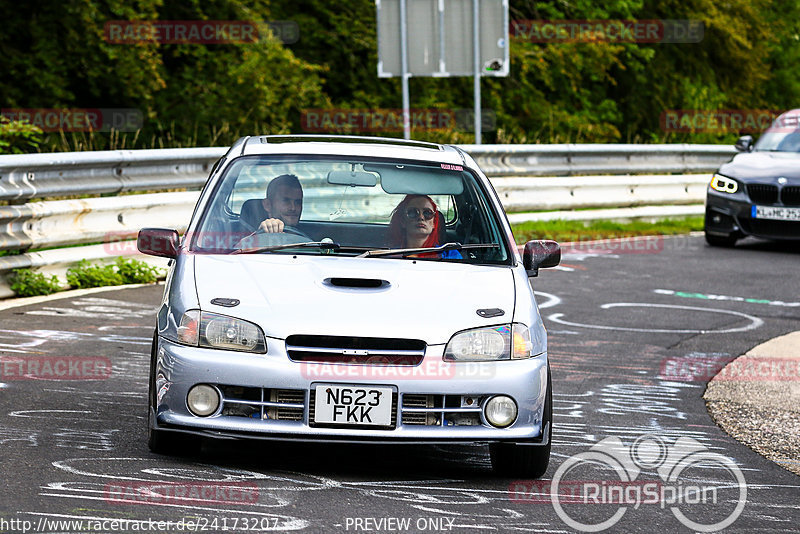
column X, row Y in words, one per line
column 158, row 242
column 540, row 254
column 744, row 143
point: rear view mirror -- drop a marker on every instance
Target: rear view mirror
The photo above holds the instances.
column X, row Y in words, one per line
column 352, row 178
column 158, row 242
column 540, row 254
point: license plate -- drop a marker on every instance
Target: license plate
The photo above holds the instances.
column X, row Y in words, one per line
column 776, row 213
column 353, row 405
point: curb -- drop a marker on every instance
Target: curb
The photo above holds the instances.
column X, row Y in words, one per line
column 756, row 399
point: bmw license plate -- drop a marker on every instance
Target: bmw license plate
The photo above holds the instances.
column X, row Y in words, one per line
column 353, row 405
column 776, row 213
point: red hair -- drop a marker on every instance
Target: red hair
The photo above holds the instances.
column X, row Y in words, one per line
column 397, row 230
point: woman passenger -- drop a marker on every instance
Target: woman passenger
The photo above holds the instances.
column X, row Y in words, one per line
column 416, row 223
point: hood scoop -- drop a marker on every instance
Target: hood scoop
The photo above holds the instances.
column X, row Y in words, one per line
column 373, row 284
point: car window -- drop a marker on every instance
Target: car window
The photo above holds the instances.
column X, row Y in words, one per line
column 351, row 202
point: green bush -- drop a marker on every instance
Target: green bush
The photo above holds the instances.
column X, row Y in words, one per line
column 26, row 283
column 137, row 272
column 86, row 275
column 18, row 137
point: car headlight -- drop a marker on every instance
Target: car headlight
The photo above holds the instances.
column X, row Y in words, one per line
column 723, row 184
column 491, row 343
column 212, row 330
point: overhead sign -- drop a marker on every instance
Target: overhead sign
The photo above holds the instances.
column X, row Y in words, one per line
column 440, row 38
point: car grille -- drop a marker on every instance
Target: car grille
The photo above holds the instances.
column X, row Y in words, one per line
column 767, row 228
column 790, row 196
column 312, row 422
column 355, row 350
column 261, row 403
column 763, row 193
column 441, row 410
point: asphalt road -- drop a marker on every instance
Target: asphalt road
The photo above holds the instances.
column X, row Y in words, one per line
column 624, row 323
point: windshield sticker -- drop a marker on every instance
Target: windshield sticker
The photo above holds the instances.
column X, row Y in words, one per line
column 448, row 167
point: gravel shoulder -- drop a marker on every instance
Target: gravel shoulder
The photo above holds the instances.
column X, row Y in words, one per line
column 756, row 399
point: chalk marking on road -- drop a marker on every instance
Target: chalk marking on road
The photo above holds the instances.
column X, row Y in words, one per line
column 510, row 514
column 552, row 300
column 282, row 483
column 98, row 308
column 48, row 414
column 728, row 298
column 84, row 439
column 77, row 490
column 755, row 322
column 618, row 399
column 14, row 434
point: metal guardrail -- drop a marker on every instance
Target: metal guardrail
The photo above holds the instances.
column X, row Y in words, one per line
column 119, row 171
column 527, row 178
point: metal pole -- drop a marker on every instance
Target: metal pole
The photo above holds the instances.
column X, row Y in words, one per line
column 476, row 52
column 404, row 66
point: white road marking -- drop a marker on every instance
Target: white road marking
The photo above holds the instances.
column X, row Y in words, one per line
column 755, row 322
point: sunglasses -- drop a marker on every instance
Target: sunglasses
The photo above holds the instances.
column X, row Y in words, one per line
column 413, row 213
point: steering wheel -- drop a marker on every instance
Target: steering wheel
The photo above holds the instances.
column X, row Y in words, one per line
column 293, row 230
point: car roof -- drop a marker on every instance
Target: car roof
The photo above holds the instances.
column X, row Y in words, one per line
column 380, row 147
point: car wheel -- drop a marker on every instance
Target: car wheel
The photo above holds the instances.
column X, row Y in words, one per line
column 721, row 241
column 159, row 441
column 526, row 461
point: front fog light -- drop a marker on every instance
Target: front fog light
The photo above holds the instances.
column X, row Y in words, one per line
column 500, row 411
column 203, row 400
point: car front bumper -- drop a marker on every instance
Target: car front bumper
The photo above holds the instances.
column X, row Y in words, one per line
column 728, row 215
column 443, row 385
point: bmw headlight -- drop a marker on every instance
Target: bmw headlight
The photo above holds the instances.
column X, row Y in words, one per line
column 492, row 343
column 723, row 184
column 215, row 331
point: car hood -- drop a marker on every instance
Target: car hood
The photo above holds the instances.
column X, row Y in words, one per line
column 763, row 166
column 287, row 295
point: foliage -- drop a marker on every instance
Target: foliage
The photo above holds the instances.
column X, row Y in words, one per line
column 54, row 55
column 18, row 137
column 27, row 283
column 86, row 275
column 137, row 272
column 561, row 230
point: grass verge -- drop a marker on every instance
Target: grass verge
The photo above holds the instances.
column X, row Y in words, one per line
column 563, row 231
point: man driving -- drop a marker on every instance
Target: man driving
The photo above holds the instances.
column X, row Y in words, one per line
column 283, row 203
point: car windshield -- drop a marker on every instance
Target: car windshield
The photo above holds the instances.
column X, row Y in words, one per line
column 349, row 206
column 782, row 136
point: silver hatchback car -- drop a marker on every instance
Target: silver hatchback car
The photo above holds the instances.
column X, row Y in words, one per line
column 351, row 289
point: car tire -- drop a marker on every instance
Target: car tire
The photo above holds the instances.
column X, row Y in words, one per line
column 721, row 241
column 160, row 441
column 509, row 460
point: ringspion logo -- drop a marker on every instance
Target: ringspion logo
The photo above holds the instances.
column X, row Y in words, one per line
column 704, row 490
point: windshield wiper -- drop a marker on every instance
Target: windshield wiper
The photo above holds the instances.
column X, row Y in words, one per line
column 323, row 245
column 408, row 251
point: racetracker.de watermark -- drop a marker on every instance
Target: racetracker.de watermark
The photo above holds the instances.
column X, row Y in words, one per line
column 378, row 369
column 652, row 244
column 723, row 120
column 702, row 367
column 78, row 119
column 704, row 490
column 54, row 368
column 199, row 31
column 609, row 31
column 391, row 120
column 180, row 492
